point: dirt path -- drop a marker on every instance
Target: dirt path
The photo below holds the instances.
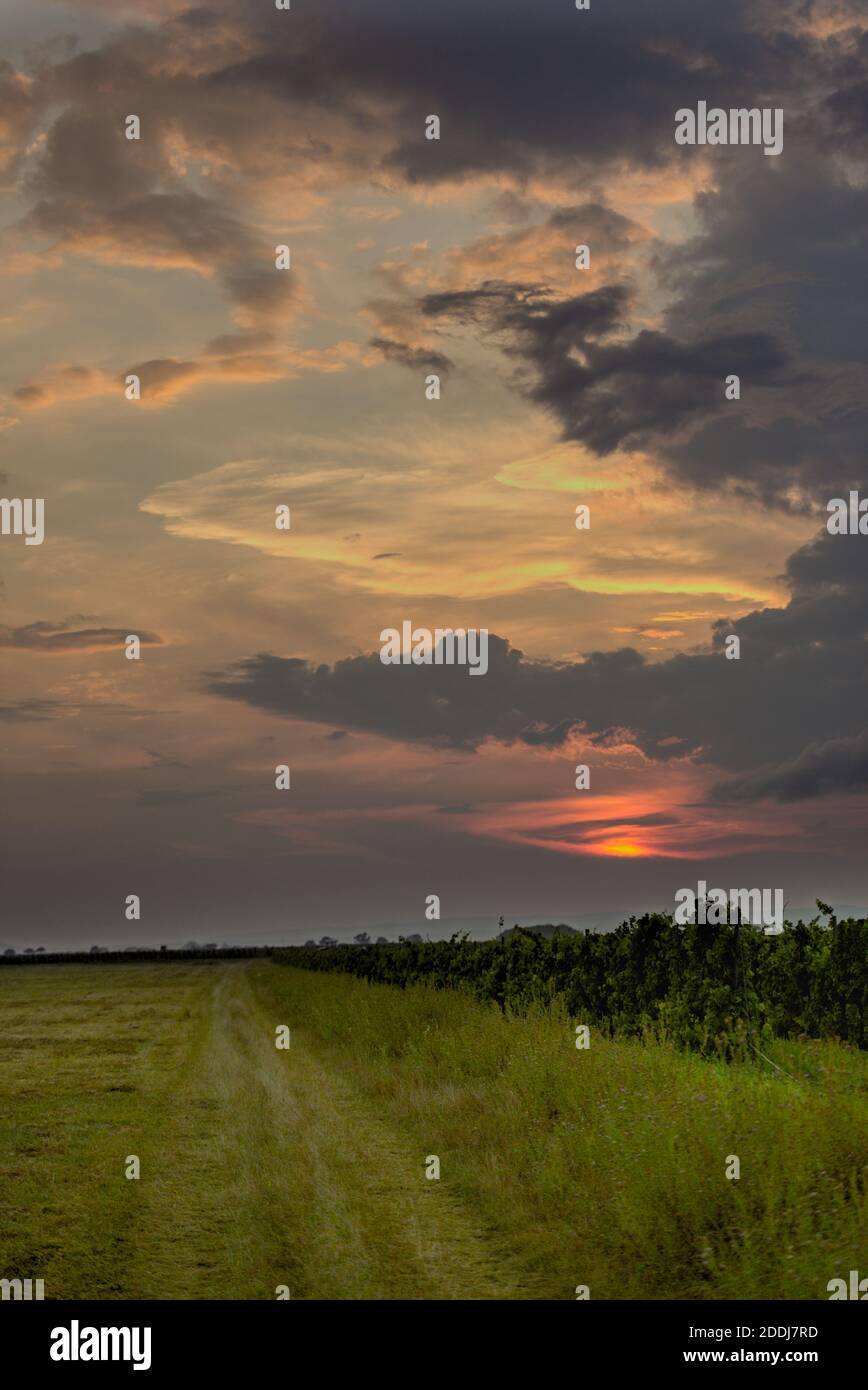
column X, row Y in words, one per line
column 274, row 1172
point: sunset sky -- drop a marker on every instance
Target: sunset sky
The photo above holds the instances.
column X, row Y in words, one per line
column 306, row 387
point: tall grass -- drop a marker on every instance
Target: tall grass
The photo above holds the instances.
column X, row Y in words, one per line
column 606, row 1166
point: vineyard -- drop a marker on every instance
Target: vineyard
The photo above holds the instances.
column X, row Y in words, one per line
column 719, row 990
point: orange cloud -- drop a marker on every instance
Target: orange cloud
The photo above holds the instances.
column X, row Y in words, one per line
column 631, row 825
column 545, row 254
column 164, row 379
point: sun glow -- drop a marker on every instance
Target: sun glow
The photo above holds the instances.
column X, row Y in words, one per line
column 622, row 849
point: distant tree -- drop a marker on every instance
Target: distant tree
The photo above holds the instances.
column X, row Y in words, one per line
column 191, row 946
column 210, row 946
column 311, row 942
column 39, row 948
column 28, row 951
column 327, row 941
column 415, row 937
column 713, row 991
column 10, row 951
column 362, row 939
column 94, row 950
column 382, row 941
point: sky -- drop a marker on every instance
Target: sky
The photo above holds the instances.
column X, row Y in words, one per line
column 560, row 387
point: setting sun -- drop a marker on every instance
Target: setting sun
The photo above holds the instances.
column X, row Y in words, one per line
column 621, row 849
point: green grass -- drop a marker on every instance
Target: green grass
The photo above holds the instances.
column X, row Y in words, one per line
column 260, row 1167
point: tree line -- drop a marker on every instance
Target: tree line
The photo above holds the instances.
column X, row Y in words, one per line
column 717, row 989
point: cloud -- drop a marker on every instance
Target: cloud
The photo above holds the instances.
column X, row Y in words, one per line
column 824, row 18
column 544, row 253
column 629, row 827
column 30, row 710
column 417, row 359
column 608, row 391
column 60, row 637
column 253, row 357
column 17, row 116
column 435, row 484
column 785, row 252
column 735, row 715
column 162, row 760
column 237, row 110
column 64, row 384
column 821, row 769
column 605, row 386
column 97, row 194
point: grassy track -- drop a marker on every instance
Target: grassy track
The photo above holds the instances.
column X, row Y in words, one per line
column 263, row 1167
column 259, row 1167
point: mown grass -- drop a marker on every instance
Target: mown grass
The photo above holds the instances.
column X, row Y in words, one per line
column 260, row 1169
column 560, row 1167
column 606, row 1166
column 94, row 1064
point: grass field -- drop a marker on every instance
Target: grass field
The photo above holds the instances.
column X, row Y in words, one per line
column 306, row 1167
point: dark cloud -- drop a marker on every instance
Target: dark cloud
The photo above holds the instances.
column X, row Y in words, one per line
column 801, row 667
column 610, row 230
column 25, row 711
column 607, row 392
column 93, row 189
column 794, row 464
column 788, row 252
column 633, row 394
column 525, row 89
column 87, row 162
column 417, row 359
column 584, row 831
column 265, row 292
column 29, row 395
column 520, row 89
column 772, row 288
column 540, row 735
column 237, row 344
column 838, row 765
column 31, row 709
column 58, row 637
column 161, row 760
column 66, row 378
column 773, row 277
